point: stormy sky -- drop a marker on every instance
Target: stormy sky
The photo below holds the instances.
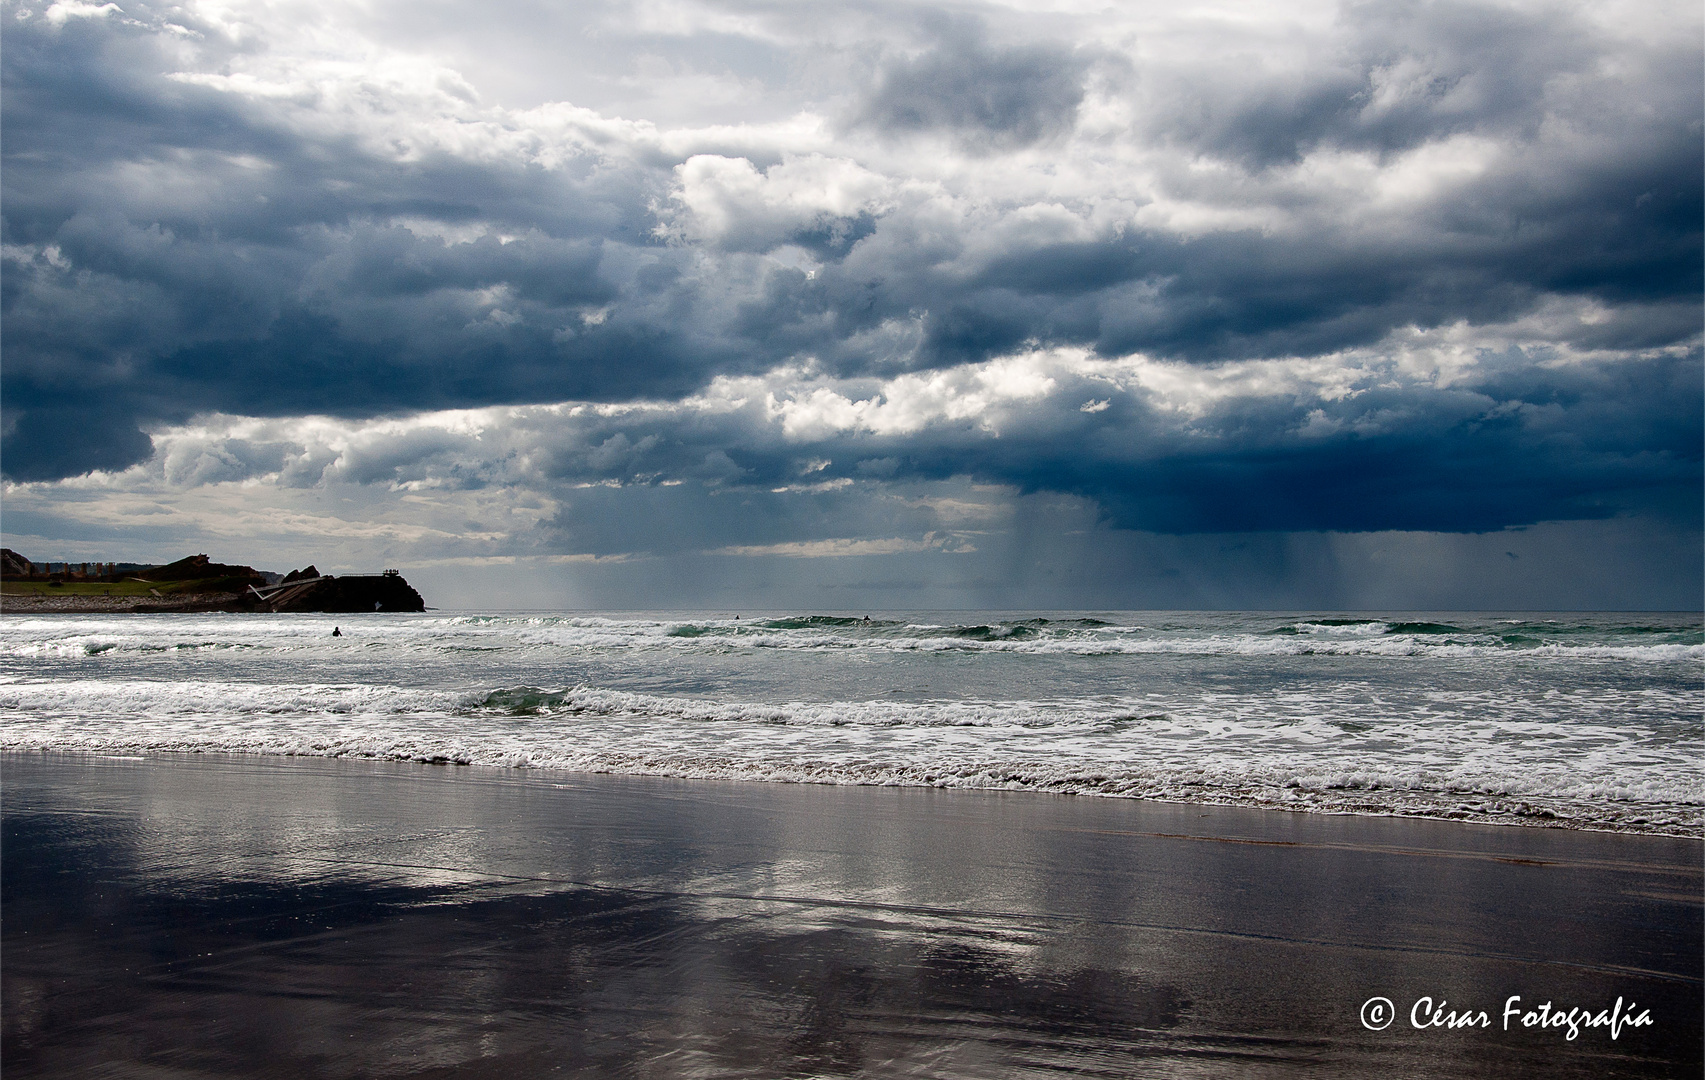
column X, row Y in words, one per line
column 860, row 305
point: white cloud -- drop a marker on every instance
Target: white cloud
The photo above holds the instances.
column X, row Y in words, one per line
column 729, row 201
column 843, row 547
column 62, row 10
column 1278, row 226
column 532, row 448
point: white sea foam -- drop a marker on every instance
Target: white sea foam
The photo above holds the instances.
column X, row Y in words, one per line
column 1588, row 722
column 1414, row 761
column 44, row 636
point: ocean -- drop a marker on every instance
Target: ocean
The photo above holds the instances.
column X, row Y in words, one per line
column 1576, row 720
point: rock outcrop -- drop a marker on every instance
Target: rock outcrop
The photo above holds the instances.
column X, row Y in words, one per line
column 192, row 585
column 349, row 593
column 201, row 568
column 13, row 565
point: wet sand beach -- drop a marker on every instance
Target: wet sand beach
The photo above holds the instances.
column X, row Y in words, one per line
column 207, row 915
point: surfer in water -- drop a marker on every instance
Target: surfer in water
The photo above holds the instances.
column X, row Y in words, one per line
column 336, row 632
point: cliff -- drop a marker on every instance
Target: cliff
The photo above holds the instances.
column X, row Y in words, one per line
column 191, row 585
column 349, row 593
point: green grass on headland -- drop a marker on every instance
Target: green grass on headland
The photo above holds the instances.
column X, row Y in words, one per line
column 124, row 588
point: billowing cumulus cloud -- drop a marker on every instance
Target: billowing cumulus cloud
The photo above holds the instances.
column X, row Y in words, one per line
column 1362, row 439
column 1403, row 266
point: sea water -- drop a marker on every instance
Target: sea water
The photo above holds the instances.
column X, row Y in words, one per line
column 1584, row 720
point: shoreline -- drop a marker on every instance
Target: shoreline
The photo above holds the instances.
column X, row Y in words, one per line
column 205, row 910
column 1544, row 821
column 1596, row 730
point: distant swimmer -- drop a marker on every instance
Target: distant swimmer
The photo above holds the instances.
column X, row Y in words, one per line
column 336, row 632
column 867, row 618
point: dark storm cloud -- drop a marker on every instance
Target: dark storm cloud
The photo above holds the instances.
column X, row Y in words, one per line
column 1406, row 74
column 187, row 251
column 1463, row 465
column 1523, row 447
column 1604, row 205
column 175, row 247
column 1520, row 445
column 988, row 98
column 46, row 443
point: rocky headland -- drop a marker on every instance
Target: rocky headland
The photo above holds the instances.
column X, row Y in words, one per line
column 194, row 584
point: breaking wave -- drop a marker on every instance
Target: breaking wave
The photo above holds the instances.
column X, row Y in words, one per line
column 1444, row 762
column 1581, row 721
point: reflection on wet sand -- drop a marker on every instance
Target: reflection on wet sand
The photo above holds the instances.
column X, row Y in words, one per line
column 230, row 917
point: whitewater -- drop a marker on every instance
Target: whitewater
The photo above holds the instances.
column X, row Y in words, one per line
column 1574, row 720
